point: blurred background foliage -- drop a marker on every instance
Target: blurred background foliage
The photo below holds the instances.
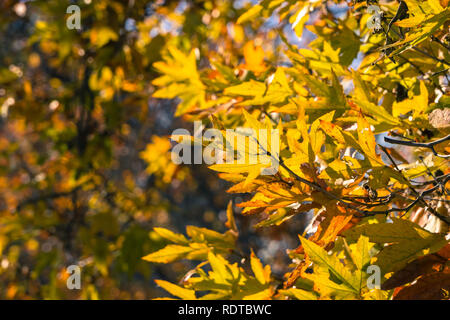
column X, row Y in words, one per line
column 85, row 169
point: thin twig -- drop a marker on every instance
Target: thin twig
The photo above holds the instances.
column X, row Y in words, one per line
column 430, row 56
column 420, row 195
column 429, row 145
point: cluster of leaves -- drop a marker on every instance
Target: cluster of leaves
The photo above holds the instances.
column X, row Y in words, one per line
column 364, row 146
column 85, row 173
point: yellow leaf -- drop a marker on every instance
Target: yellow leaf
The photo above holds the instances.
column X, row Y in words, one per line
column 418, row 103
column 168, row 254
column 102, row 35
column 210, row 236
column 180, row 78
column 258, row 270
column 250, row 14
column 435, row 5
column 317, row 137
column 171, row 236
column 250, row 88
column 332, row 130
column 299, row 19
column 261, row 295
column 410, row 22
column 177, row 291
column 254, row 58
column 362, row 91
column 330, row 264
column 252, row 121
column 298, row 294
column 220, row 268
column 367, row 142
column 231, row 223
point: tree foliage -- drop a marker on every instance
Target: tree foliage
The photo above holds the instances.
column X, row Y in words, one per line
column 333, row 102
column 362, row 116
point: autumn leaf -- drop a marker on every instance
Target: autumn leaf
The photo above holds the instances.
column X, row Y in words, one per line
column 422, row 266
column 333, row 129
column 254, row 58
column 435, row 286
column 299, row 294
column 330, row 265
column 407, row 241
column 169, row 254
column 177, row 291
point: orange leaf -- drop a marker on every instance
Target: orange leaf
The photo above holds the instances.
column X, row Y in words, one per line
column 254, row 58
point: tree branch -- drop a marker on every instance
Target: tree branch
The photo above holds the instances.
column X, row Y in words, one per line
column 429, row 145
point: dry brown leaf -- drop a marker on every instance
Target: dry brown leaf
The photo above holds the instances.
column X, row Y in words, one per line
column 416, row 268
column 435, row 286
column 440, row 118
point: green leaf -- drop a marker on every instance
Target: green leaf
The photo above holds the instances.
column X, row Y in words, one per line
column 359, row 254
column 378, row 112
column 330, row 263
column 407, row 240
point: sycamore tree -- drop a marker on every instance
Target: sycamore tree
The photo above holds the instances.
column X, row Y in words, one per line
column 359, row 95
column 343, row 160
